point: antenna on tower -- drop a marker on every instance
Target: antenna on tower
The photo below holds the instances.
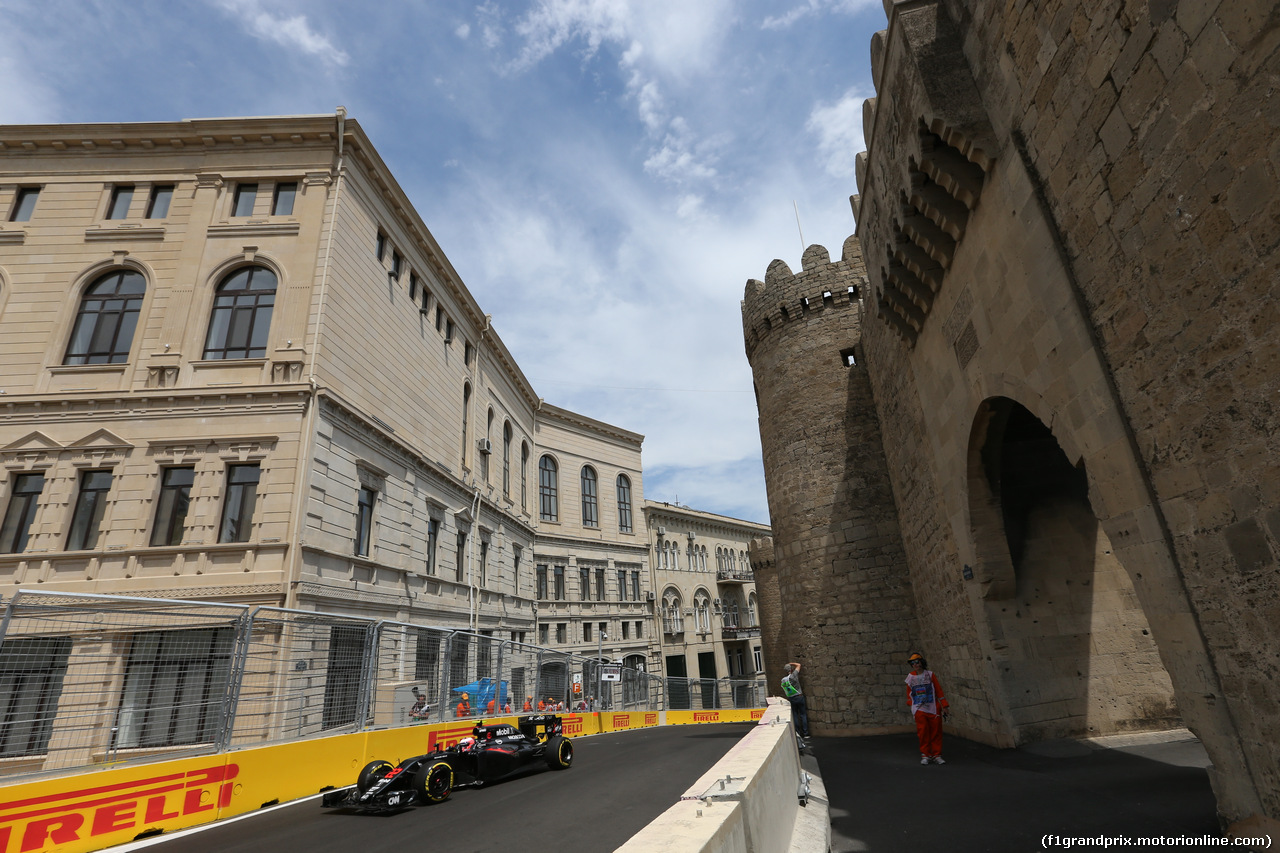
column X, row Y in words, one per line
column 798, row 228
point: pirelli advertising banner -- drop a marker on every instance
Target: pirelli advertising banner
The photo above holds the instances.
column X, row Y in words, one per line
column 610, row 722
column 724, row 715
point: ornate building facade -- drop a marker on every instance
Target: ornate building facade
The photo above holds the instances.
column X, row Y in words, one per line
column 238, row 367
column 707, row 610
column 1052, row 339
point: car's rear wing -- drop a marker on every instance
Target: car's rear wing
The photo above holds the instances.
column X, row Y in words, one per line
column 541, row 726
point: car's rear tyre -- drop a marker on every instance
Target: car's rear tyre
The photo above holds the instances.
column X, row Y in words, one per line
column 372, row 772
column 559, row 753
column 434, row 782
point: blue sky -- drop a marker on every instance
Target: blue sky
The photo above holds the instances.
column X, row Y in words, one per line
column 604, row 174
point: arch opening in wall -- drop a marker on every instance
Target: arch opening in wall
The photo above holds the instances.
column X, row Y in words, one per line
column 1069, row 641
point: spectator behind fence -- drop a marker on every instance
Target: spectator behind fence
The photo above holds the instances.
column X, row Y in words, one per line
column 464, row 707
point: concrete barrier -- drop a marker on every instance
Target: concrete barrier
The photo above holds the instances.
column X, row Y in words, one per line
column 747, row 803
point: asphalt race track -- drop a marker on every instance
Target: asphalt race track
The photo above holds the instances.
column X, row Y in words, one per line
column 617, row 784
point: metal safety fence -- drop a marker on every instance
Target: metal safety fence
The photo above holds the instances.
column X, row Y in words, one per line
column 95, row 679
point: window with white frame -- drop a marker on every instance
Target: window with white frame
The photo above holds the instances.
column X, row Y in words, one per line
column 174, row 684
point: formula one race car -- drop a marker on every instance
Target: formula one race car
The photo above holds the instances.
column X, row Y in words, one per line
column 490, row 754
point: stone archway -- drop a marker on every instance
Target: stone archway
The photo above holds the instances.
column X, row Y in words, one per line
column 1069, row 641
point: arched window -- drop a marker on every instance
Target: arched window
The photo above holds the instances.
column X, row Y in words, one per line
column 590, row 505
column 701, row 612
column 103, row 333
column 672, row 620
column 675, row 557
column 506, row 460
column 703, row 557
column 751, row 610
column 548, row 490
column 241, row 318
column 484, row 456
column 624, row 504
column 524, row 475
column 466, row 410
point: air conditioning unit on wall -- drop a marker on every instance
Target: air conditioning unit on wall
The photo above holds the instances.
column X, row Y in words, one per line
column 484, row 445
column 662, row 531
column 652, row 596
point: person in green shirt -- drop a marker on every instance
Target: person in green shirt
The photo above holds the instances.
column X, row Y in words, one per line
column 791, row 690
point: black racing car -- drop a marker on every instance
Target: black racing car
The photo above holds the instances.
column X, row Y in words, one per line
column 490, row 754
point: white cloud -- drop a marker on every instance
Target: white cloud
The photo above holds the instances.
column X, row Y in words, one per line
column 815, row 7
column 294, row 33
column 462, row 31
column 25, row 98
column 838, row 128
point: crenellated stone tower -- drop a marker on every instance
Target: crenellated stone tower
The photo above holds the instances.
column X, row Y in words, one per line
column 845, row 606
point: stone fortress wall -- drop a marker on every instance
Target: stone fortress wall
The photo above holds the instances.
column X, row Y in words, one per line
column 1069, row 222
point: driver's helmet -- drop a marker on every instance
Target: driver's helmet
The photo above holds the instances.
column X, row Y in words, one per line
column 467, row 744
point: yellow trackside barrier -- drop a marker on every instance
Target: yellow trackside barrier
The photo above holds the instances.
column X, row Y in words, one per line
column 90, row 811
column 581, row 725
column 288, row 771
column 621, row 722
column 726, row 715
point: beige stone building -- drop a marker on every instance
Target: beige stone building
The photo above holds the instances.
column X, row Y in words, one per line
column 1043, row 383
column 236, row 366
column 705, row 597
column 591, row 571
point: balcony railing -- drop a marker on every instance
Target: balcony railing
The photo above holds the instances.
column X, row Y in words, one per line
column 734, row 576
column 739, row 632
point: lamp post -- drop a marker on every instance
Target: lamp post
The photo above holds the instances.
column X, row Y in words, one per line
column 601, row 636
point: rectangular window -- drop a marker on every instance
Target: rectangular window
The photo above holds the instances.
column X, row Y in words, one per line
column 31, row 674
column 448, row 330
column 466, row 353
column 246, row 197
column 439, row 318
column 543, row 633
column 604, row 630
column 600, row 584
column 21, row 512
column 343, row 676
column 158, row 203
column 584, row 583
column 242, row 497
column 396, row 263
column 758, row 658
column 542, row 583
column 413, row 286
column 586, row 632
column 171, row 508
column 626, row 630
column 121, row 200
column 282, row 202
column 364, row 520
column 622, row 585
column 559, row 583
column 91, row 503
column 380, row 248
column 484, row 655
column 426, row 666
column 433, row 539
column 639, row 630
column 459, row 659
column 174, row 684
column 484, row 562
column 635, row 586
column 515, row 567
column 24, row 204
column 460, row 558
column 562, row 633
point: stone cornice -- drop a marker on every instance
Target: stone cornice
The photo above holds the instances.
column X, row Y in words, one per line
column 14, row 408
column 564, row 416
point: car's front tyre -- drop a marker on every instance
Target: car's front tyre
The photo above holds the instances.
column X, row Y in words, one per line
column 434, row 782
column 372, row 772
column 559, row 754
